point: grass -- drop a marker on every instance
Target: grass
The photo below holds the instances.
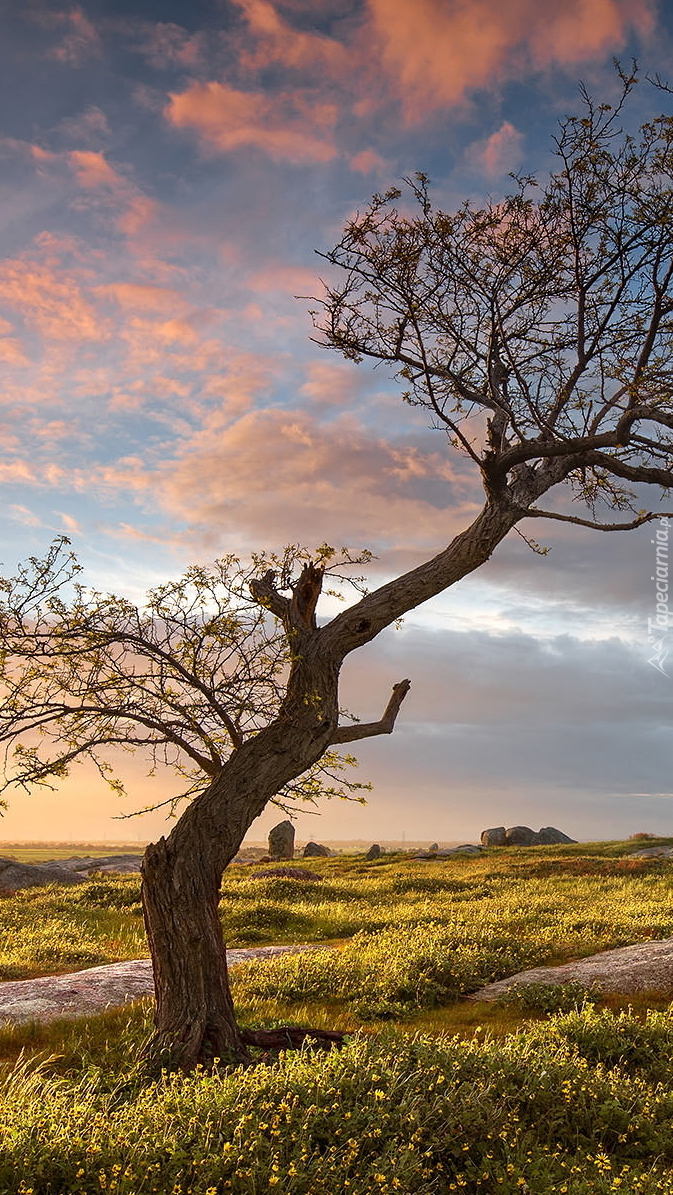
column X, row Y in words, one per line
column 433, row 1093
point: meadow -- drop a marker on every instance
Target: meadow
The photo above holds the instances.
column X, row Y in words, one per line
column 432, row 1093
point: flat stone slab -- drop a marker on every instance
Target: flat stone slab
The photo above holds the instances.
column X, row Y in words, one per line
column 97, row 988
column 644, row 967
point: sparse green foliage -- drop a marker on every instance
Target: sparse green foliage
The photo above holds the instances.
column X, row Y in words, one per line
column 185, row 678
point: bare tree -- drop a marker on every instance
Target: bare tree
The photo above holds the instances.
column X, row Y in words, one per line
column 538, row 333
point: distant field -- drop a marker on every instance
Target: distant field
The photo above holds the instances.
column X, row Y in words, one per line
column 38, row 852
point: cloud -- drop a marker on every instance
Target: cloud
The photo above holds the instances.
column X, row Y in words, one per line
column 165, row 45
column 286, row 126
column 12, row 351
column 80, row 43
column 276, row 476
column 367, row 161
column 50, row 301
column 277, row 42
column 89, row 126
column 92, row 171
column 437, row 51
column 498, row 154
column 134, row 296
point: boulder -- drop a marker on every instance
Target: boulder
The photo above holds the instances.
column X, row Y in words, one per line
column 520, row 836
column 88, row 863
column 281, row 841
column 316, row 850
column 468, row 848
column 550, row 836
column 497, row 836
column 433, row 847
column 374, row 851
column 15, row 875
column 644, row 967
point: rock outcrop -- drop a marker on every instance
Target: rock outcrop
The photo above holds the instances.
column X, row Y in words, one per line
column 646, row 966
column 520, row 836
column 281, row 841
column 14, row 875
column 467, row 848
column 523, row 836
column 85, row 864
column 497, row 836
column 550, row 836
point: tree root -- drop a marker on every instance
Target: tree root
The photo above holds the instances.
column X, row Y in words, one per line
column 291, row 1037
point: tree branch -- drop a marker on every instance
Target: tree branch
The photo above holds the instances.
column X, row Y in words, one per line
column 366, row 730
column 264, row 591
column 534, row 513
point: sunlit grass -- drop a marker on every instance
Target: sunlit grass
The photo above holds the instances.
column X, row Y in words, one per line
column 489, row 1097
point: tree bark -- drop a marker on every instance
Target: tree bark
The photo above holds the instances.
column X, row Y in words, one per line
column 194, row 1015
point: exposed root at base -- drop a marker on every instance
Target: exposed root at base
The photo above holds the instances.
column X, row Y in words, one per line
column 291, row 1037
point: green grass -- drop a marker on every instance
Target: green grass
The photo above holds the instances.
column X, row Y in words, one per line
column 579, row 1104
column 433, row 1094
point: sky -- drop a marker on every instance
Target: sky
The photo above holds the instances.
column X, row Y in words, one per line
column 167, row 173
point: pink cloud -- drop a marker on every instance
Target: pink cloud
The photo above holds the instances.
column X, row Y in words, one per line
column 139, row 212
column 166, row 44
column 12, row 351
column 287, row 126
column 276, row 41
column 79, row 43
column 276, row 476
column 436, row 52
column 49, row 301
column 95, row 175
column 93, row 171
column 367, row 161
column 279, row 276
column 499, row 153
column 90, row 126
column 135, row 296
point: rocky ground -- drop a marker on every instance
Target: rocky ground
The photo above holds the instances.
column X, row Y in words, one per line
column 645, row 967
column 98, row 988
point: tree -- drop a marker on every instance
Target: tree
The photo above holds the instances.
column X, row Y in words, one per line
column 538, row 333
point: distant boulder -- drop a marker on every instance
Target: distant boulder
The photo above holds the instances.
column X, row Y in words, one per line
column 550, row 836
column 433, row 847
column 281, row 841
column 497, row 836
column 374, row 851
column 15, row 875
column 316, row 850
column 467, row 848
column 520, row 836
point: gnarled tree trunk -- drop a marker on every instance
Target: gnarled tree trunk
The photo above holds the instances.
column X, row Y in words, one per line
column 194, row 1018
